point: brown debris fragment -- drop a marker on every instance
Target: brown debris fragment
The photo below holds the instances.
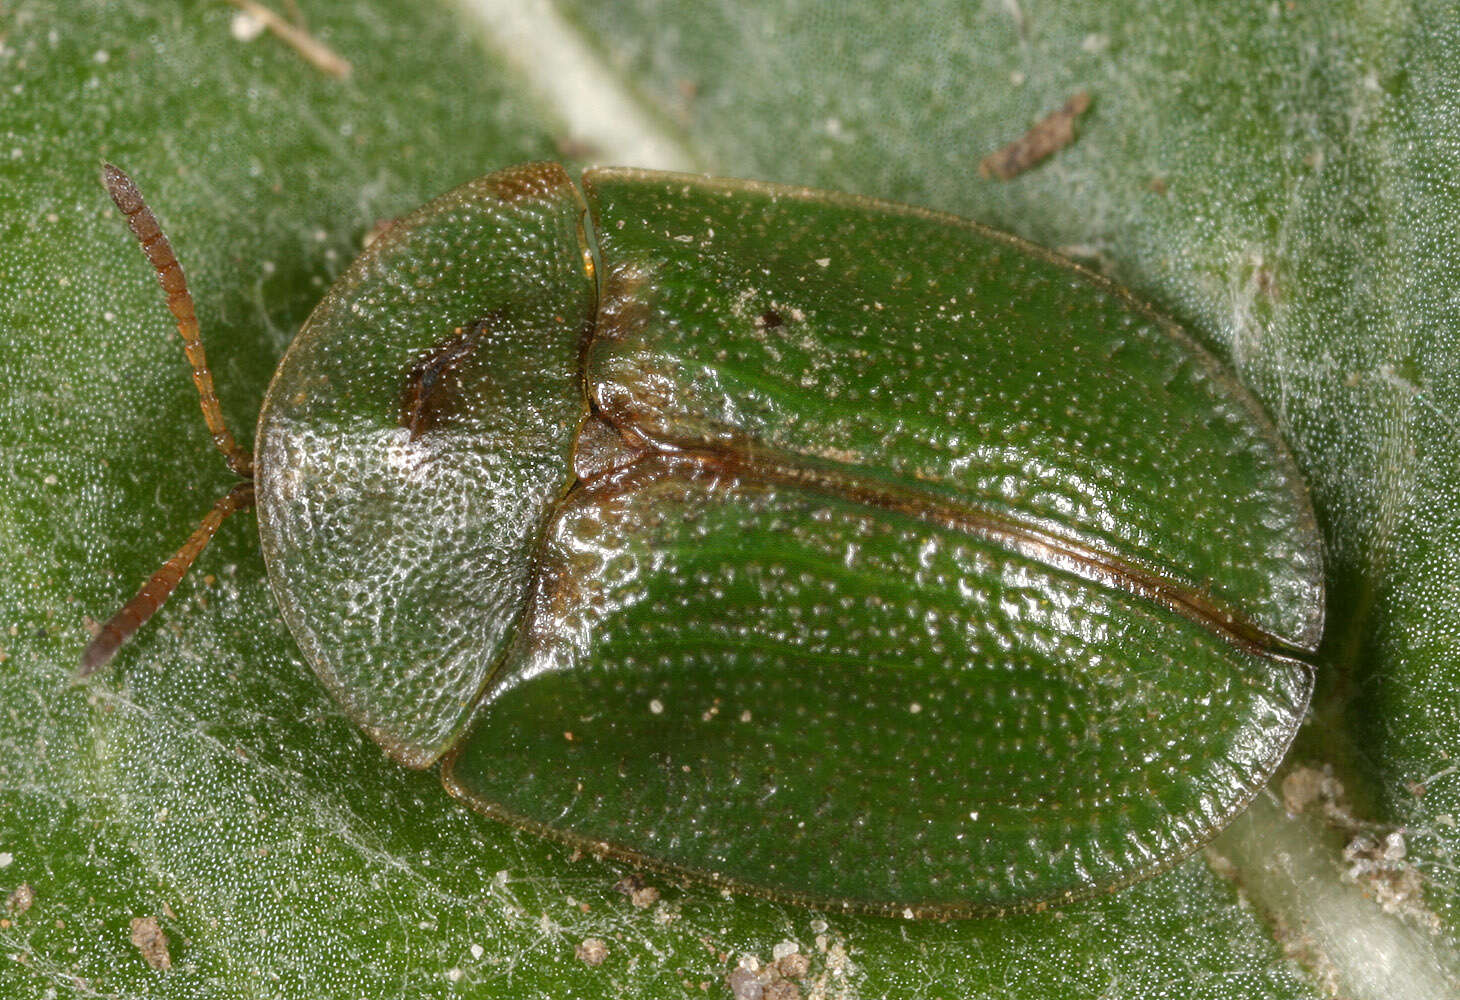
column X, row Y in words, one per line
column 744, row 984
column 316, row 53
column 22, row 899
column 1378, row 866
column 794, row 965
column 151, row 941
column 764, row 983
column 1375, row 856
column 641, row 895
column 781, row 990
column 645, row 897
column 1307, row 787
column 753, row 979
column 1049, row 135
column 591, row 952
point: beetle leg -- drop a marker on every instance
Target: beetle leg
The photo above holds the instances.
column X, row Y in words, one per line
column 160, row 586
column 180, row 302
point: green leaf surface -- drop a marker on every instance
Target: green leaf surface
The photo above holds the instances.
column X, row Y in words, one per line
column 1280, row 177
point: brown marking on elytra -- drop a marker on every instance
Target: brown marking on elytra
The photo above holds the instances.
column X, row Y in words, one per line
column 1045, row 137
column 601, row 448
column 535, row 180
column 431, row 385
column 622, row 311
column 635, row 385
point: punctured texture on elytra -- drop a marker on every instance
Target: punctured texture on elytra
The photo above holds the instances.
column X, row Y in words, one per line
column 824, row 548
column 400, row 559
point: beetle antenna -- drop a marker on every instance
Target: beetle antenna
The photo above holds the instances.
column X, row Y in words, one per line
column 180, row 302
column 160, row 586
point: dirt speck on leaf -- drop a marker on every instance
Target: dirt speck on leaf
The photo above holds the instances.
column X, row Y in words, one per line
column 591, row 952
column 794, row 966
column 641, row 895
column 150, row 940
column 1378, row 866
column 22, row 899
column 753, row 979
column 1045, row 137
column 1305, row 788
column 1375, row 857
column 645, row 897
column 745, row 984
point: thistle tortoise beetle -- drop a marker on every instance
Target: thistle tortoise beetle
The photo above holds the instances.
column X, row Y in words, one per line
column 808, row 545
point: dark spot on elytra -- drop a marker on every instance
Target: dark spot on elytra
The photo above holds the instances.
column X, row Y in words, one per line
column 430, row 386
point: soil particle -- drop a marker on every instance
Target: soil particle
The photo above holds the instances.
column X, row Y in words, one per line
column 151, row 941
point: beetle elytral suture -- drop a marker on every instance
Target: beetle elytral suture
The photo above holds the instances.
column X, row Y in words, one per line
column 813, row 546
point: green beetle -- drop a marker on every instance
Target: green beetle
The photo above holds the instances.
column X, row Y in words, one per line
column 809, row 545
